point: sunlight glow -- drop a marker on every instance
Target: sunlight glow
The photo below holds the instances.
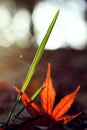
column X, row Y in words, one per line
column 14, row 26
column 70, row 29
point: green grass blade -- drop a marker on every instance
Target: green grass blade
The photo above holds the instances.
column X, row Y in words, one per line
column 39, row 53
column 34, row 63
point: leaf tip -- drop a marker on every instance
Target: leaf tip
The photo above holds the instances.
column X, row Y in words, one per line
column 16, row 89
column 77, row 89
column 49, row 70
column 58, row 11
column 69, row 118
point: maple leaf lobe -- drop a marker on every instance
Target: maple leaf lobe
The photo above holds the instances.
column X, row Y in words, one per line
column 48, row 93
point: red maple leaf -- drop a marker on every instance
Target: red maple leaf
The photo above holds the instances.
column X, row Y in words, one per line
column 47, row 102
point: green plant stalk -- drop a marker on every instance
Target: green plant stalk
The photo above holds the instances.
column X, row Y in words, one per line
column 39, row 53
column 10, row 114
column 34, row 63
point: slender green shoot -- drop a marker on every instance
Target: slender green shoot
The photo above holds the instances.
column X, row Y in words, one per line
column 36, row 59
column 10, row 114
column 39, row 53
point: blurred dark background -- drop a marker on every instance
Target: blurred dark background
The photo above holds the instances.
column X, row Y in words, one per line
column 69, row 67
